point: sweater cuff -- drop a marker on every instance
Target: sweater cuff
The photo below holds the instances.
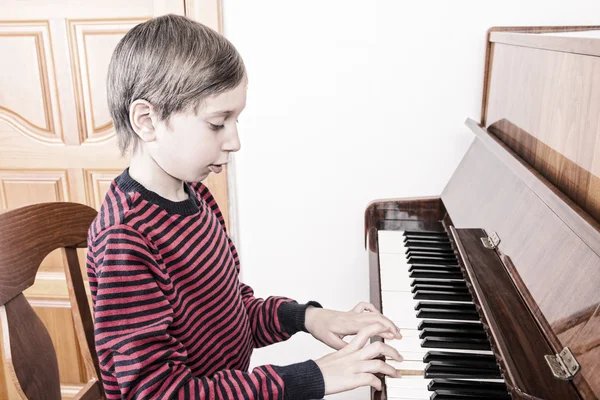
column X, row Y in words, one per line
column 292, row 316
column 302, row 381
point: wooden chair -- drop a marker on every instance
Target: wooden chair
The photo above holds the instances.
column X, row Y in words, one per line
column 27, row 236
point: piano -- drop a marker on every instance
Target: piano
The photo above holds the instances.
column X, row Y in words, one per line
column 495, row 284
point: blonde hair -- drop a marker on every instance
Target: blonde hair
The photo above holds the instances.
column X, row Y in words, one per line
column 172, row 62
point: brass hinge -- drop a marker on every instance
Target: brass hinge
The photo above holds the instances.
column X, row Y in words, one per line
column 491, row 242
column 563, row 365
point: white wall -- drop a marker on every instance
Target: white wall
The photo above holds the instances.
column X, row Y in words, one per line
column 351, row 101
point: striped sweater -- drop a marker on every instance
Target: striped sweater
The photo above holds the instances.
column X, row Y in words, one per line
column 171, row 318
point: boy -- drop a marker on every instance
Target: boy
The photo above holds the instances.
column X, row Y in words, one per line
column 172, row 320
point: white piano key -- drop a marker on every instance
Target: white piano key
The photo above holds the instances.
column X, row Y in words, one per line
column 408, row 387
column 403, row 320
column 393, row 273
column 408, row 393
column 412, row 355
column 400, row 311
column 399, row 306
column 395, row 297
column 394, row 259
column 407, row 323
column 412, row 344
column 408, row 367
column 391, row 242
column 410, row 333
column 407, row 382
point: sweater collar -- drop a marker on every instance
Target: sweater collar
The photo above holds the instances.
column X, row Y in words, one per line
column 186, row 207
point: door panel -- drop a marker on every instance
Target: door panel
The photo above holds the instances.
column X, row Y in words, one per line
column 57, row 142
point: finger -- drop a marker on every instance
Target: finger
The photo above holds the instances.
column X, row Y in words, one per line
column 381, row 319
column 379, row 348
column 363, row 336
column 336, row 342
column 388, row 335
column 390, row 324
column 370, row 307
column 379, row 367
column 358, row 308
column 363, row 306
column 369, row 380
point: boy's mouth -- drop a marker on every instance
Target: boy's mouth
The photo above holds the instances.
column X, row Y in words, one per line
column 216, row 168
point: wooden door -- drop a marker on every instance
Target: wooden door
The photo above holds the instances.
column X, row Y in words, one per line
column 57, row 142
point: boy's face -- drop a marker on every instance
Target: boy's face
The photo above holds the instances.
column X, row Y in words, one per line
column 196, row 144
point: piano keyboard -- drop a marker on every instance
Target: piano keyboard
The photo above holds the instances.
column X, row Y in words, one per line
column 445, row 348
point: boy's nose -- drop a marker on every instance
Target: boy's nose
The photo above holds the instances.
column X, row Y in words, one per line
column 233, row 144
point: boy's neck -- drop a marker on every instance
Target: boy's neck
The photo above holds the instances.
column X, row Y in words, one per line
column 149, row 174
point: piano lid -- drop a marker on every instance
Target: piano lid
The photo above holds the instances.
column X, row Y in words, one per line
column 586, row 34
column 533, row 176
column 542, row 99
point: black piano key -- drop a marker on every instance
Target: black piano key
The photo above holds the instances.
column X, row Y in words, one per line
column 449, row 324
column 466, row 395
column 441, row 235
column 422, row 242
column 433, row 374
column 431, row 260
column 437, row 274
column 426, row 237
column 429, row 245
column 439, row 295
column 453, row 370
column 414, row 243
column 473, row 386
column 459, row 315
column 434, row 265
column 434, row 355
column 425, row 233
column 484, row 367
column 441, row 254
column 447, row 251
column 414, row 235
column 446, row 282
column 445, row 306
column 456, row 343
column 422, row 238
column 450, row 333
column 436, row 259
column 440, row 288
column 446, row 268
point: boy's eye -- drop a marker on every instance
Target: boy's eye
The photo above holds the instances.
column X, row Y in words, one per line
column 216, row 127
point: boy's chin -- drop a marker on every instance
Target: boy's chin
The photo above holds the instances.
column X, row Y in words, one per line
column 202, row 176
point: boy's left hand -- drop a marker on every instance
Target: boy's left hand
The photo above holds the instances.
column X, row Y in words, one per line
column 330, row 326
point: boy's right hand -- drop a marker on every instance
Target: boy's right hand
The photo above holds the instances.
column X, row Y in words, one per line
column 354, row 365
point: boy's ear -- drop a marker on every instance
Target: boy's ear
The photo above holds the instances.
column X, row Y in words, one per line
column 141, row 115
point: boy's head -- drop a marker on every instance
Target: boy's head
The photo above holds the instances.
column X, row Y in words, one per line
column 175, row 89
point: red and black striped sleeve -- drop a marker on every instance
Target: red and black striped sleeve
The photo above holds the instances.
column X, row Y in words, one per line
column 132, row 314
column 274, row 319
